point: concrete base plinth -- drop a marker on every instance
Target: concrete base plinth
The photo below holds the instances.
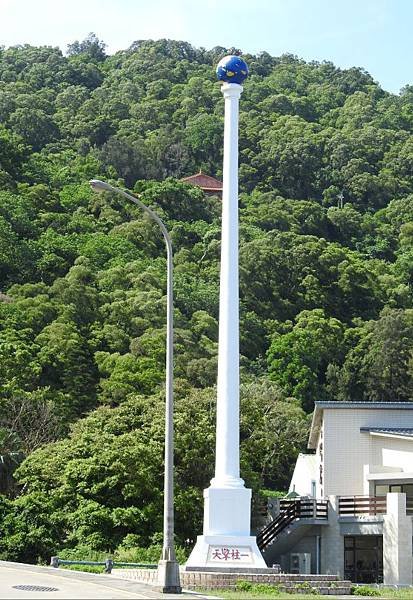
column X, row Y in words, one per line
column 227, row 511
column 168, row 580
column 227, row 541
column 226, row 552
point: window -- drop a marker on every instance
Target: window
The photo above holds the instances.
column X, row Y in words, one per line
column 408, row 489
column 381, row 489
column 363, row 558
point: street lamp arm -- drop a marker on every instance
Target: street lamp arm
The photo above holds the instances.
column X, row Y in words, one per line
column 102, row 186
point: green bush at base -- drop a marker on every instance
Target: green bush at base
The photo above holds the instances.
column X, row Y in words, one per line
column 257, row 588
column 366, row 590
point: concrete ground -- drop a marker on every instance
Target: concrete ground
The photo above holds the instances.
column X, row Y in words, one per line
column 72, row 585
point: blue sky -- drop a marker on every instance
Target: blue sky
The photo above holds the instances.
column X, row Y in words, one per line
column 374, row 34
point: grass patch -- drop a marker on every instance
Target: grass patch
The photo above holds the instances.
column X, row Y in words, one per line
column 260, row 595
column 247, row 589
column 365, row 590
column 382, row 592
column 262, row 591
column 266, row 589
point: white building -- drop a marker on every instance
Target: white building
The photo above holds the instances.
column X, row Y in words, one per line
column 354, row 516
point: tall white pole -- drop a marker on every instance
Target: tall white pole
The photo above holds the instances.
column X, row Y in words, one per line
column 227, row 429
column 226, row 541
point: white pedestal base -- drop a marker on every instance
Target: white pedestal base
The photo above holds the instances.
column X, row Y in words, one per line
column 226, row 552
column 227, row 511
column 227, row 541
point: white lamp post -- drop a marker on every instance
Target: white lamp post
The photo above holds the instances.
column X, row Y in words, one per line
column 168, row 568
column 226, row 540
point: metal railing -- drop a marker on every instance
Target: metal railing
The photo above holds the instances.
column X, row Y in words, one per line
column 307, row 508
column 291, row 510
column 349, row 506
column 109, row 564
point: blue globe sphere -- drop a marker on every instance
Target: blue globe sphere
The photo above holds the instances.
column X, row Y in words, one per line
column 232, row 69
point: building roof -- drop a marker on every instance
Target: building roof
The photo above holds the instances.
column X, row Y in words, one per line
column 206, row 182
column 379, row 405
column 321, row 406
column 397, row 431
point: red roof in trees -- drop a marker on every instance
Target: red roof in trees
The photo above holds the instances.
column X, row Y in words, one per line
column 205, row 182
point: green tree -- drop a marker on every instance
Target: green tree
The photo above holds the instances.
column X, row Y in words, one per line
column 91, row 47
column 298, row 358
column 378, row 366
column 34, row 126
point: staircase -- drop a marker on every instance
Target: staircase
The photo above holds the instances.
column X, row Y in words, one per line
column 291, row 511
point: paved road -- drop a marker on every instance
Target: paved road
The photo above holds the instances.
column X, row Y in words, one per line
column 71, row 585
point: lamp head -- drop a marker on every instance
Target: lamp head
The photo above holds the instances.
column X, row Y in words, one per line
column 100, row 186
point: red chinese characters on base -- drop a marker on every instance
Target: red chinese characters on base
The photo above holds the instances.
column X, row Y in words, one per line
column 225, row 554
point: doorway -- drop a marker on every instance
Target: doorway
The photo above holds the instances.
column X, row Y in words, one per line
column 363, row 558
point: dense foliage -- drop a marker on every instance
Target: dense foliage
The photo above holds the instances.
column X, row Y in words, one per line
column 326, row 269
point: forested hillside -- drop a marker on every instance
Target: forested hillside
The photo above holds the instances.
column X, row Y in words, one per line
column 326, row 269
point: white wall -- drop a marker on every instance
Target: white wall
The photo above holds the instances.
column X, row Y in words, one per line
column 346, row 450
column 304, row 472
column 396, row 453
column 320, row 462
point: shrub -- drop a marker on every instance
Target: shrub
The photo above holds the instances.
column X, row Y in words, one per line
column 257, row 588
column 149, row 555
column 365, row 590
column 306, row 586
column 243, row 586
column 84, row 568
column 82, row 552
column 266, row 588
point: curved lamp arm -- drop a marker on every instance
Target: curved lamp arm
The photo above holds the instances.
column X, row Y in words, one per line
column 102, row 186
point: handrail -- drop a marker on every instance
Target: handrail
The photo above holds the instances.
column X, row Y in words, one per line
column 290, row 510
column 267, row 535
column 109, row 564
column 361, row 505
